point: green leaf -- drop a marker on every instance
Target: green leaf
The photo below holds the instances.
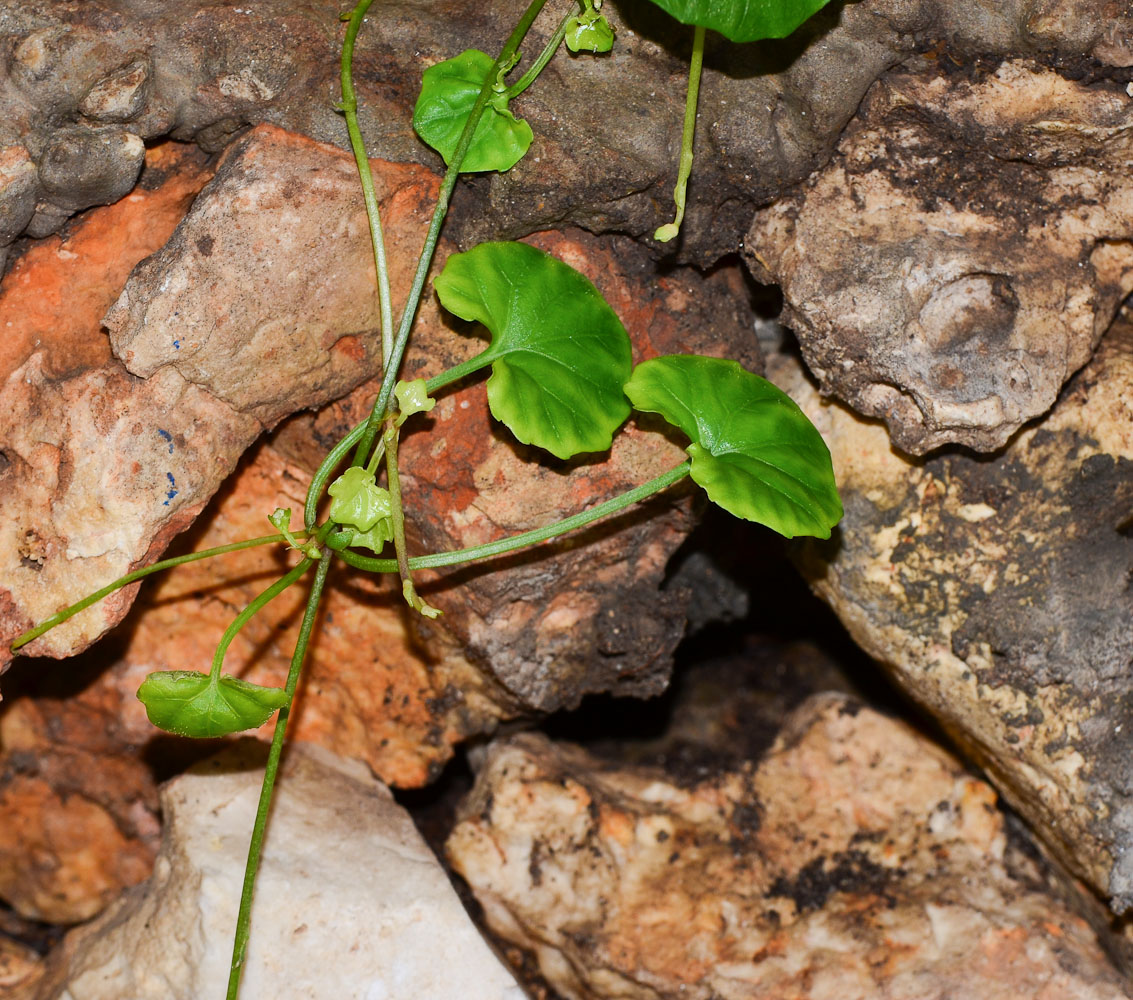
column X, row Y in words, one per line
column 189, row 703
column 589, row 32
column 744, row 20
column 753, row 450
column 559, row 353
column 358, row 502
column 448, row 92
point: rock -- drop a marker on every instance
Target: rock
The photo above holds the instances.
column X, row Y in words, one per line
column 81, row 167
column 962, row 253
column 532, row 634
column 349, row 900
column 770, row 113
column 996, row 592
column 189, row 320
column 855, row 860
column 21, row 968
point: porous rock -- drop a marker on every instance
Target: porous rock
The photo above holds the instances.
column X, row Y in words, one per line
column 607, row 129
column 962, row 253
column 855, row 860
column 996, row 592
column 349, row 901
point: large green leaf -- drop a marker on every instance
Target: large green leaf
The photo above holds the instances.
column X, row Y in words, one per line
column 744, row 20
column 559, row 353
column 448, row 92
column 753, row 450
column 189, row 703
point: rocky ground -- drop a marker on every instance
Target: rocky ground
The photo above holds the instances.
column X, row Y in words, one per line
column 938, row 191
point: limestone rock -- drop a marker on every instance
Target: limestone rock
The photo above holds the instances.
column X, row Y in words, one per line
column 996, row 591
column 349, row 901
column 855, row 860
column 962, row 253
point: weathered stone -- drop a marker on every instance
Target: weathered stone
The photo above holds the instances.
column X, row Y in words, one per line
column 996, row 591
column 607, row 129
column 963, row 252
column 104, row 469
column 349, row 900
column 81, row 167
column 21, row 968
column 856, row 860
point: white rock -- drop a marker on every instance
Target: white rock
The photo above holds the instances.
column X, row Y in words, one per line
column 350, row 902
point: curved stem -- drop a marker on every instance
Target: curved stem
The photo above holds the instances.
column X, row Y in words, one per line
column 389, row 376
column 670, row 229
column 527, row 538
column 457, row 372
column 349, row 107
column 245, row 616
column 69, row 612
column 540, row 64
column 319, row 481
column 255, row 847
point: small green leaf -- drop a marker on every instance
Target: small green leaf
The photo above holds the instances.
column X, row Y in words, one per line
column 374, row 539
column 189, row 703
column 753, row 450
column 357, row 501
column 448, row 92
column 589, row 32
column 559, row 353
column 412, row 397
column 744, row 20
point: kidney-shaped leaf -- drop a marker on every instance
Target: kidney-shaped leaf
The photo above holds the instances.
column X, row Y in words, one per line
column 559, row 353
column 753, row 450
column 189, row 703
column 448, row 91
column 744, row 20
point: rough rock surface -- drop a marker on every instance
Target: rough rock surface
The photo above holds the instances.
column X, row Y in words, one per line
column 997, row 592
column 349, row 901
column 101, row 468
column 856, row 860
column 85, row 81
column 964, row 250
column 375, row 690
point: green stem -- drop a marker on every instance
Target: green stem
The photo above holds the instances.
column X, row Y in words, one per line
column 255, row 847
column 393, row 482
column 349, row 108
column 389, row 376
column 540, row 64
column 527, row 538
column 670, row 229
column 459, row 371
column 322, row 476
column 245, row 616
column 69, row 612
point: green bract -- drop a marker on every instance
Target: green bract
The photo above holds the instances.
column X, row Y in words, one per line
column 589, row 32
column 744, row 20
column 357, row 501
column 192, row 704
column 753, row 450
column 448, row 92
column 559, row 353
column 412, row 397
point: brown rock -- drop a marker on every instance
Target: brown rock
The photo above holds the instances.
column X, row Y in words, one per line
column 856, row 860
column 996, row 591
column 963, row 252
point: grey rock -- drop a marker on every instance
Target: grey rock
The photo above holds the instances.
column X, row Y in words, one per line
column 119, row 96
column 81, row 167
column 962, row 253
column 350, row 902
column 996, row 592
column 17, row 192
